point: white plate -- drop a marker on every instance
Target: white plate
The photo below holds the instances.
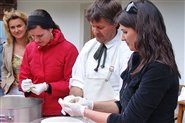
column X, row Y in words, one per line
column 62, row 119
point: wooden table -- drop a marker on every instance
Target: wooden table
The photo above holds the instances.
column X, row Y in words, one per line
column 181, row 105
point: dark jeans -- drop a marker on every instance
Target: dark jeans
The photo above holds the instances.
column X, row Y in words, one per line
column 1, row 92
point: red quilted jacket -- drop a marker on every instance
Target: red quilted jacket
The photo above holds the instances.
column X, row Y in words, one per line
column 51, row 64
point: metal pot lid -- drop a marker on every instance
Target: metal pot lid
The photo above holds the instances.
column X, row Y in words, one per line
column 18, row 101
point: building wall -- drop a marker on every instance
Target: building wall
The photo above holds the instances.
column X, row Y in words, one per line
column 66, row 15
column 173, row 12
column 69, row 15
column 183, row 50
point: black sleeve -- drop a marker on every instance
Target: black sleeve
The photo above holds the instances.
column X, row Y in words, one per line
column 49, row 89
column 119, row 106
column 113, row 117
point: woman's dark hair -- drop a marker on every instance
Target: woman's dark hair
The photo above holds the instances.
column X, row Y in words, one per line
column 42, row 18
column 106, row 9
column 152, row 42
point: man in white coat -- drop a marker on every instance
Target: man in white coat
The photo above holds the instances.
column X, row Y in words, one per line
column 96, row 73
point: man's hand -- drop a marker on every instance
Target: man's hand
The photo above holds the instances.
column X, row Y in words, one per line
column 73, row 109
column 82, row 101
column 74, row 106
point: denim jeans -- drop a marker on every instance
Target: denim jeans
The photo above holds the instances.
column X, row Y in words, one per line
column 1, row 49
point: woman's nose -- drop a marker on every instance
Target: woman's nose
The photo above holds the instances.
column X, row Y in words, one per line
column 123, row 37
column 35, row 38
column 16, row 29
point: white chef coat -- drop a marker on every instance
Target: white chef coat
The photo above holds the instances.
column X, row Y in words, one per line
column 83, row 69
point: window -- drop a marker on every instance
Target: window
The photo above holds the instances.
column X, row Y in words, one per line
column 7, row 5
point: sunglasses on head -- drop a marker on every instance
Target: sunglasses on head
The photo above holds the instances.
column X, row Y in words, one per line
column 131, row 8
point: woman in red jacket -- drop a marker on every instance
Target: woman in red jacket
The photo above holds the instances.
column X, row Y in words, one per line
column 47, row 63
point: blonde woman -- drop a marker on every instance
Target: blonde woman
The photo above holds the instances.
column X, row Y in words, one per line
column 15, row 27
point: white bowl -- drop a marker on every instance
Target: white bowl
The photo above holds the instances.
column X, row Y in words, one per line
column 62, row 119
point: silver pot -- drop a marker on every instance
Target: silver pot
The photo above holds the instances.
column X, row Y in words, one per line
column 14, row 108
